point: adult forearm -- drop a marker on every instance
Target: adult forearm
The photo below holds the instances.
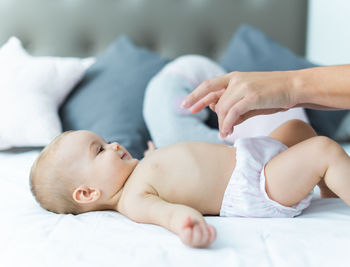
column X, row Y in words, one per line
column 322, row 87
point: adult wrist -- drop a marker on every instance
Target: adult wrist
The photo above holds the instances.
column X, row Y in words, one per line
column 299, row 86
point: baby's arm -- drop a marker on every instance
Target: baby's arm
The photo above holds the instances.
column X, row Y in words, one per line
column 186, row 222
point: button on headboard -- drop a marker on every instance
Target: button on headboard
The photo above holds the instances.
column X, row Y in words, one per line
column 171, row 27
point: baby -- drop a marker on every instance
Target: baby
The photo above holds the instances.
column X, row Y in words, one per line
column 174, row 186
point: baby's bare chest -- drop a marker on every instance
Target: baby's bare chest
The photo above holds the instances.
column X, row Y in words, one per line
column 194, row 175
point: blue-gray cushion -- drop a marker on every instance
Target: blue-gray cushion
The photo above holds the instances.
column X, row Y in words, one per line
column 109, row 99
column 252, row 50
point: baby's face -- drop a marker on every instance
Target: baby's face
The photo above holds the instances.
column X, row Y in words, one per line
column 90, row 160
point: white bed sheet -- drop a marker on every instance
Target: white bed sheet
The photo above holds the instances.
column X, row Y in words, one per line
column 30, row 236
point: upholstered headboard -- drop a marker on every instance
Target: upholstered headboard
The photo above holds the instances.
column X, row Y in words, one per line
column 171, row 27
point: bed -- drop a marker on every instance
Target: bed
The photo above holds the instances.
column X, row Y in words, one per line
column 31, row 236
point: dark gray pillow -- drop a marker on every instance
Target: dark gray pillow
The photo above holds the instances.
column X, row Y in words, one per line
column 252, row 50
column 109, row 99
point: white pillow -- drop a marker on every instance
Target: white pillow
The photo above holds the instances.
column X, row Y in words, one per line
column 31, row 90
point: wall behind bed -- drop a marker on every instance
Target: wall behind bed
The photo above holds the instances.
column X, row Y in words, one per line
column 172, row 27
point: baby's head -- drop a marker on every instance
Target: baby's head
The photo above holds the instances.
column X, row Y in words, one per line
column 79, row 172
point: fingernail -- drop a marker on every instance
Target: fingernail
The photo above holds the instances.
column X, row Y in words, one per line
column 184, row 104
column 226, row 132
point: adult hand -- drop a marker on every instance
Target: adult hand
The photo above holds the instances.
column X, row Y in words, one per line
column 238, row 96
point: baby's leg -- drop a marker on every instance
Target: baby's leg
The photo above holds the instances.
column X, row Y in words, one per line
column 294, row 132
column 291, row 175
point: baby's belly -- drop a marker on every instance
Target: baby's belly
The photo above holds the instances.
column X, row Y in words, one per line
column 198, row 181
column 205, row 198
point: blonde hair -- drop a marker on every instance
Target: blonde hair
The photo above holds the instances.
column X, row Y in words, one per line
column 49, row 184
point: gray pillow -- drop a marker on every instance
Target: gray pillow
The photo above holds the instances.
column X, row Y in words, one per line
column 109, row 99
column 343, row 131
column 252, row 50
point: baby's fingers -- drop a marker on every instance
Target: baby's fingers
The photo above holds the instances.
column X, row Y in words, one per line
column 212, row 233
column 187, row 222
column 186, row 235
column 208, row 235
column 196, row 236
column 203, row 235
column 151, row 145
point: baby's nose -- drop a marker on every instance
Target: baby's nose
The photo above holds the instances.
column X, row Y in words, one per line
column 115, row 146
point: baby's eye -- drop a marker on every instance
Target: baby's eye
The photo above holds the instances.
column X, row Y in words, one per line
column 101, row 149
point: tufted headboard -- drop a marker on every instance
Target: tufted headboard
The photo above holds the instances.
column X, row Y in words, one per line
column 171, row 27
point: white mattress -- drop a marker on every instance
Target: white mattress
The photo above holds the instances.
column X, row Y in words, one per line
column 30, row 236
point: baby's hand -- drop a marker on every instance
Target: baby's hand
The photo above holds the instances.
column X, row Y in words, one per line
column 151, row 147
column 197, row 234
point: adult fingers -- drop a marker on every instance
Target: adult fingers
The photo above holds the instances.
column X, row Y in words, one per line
column 228, row 99
column 211, row 98
column 212, row 107
column 205, row 88
column 235, row 112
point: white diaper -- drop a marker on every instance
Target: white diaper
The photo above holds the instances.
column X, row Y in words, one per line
column 245, row 195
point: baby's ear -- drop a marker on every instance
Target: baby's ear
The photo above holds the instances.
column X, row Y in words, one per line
column 85, row 194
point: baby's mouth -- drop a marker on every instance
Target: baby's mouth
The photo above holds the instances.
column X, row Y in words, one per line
column 125, row 156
